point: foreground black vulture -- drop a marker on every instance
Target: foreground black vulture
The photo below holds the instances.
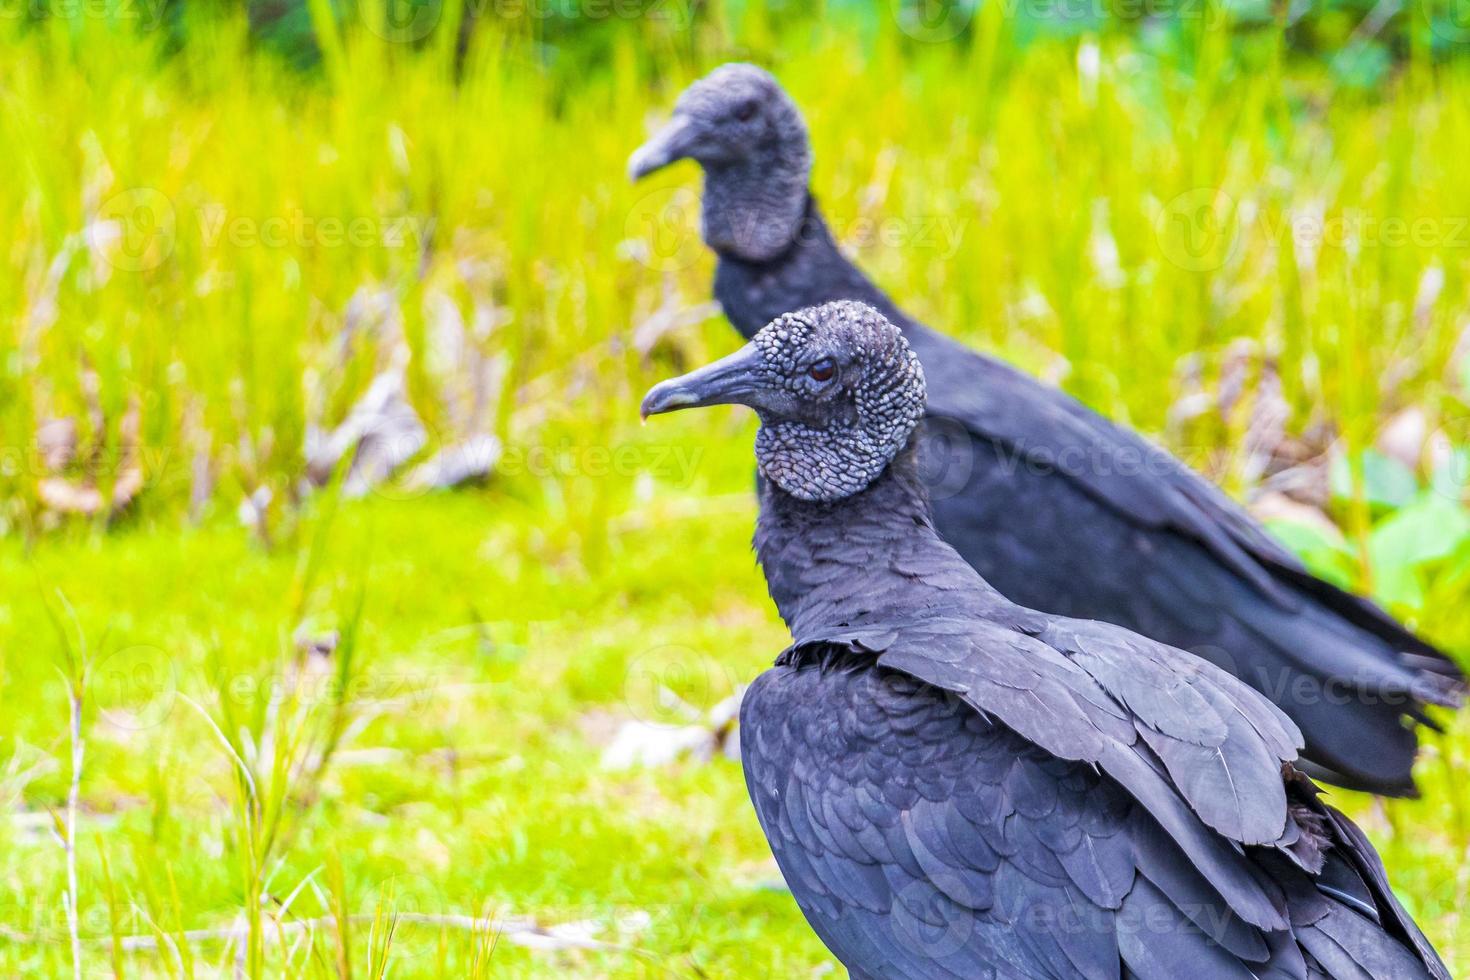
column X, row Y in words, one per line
column 957, row 787
column 1055, row 506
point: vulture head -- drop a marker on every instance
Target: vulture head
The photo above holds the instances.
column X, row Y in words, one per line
column 837, row 388
column 744, row 130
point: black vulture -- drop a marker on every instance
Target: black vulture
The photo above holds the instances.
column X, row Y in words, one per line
column 958, row 787
column 1054, row 505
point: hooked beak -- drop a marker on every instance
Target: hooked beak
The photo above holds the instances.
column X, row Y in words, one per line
column 674, row 142
column 734, row 380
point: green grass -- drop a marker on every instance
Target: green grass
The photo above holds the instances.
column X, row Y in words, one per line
column 473, row 784
column 1152, row 233
column 485, row 696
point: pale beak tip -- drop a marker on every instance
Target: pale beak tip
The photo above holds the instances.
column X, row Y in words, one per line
column 637, row 165
column 665, row 398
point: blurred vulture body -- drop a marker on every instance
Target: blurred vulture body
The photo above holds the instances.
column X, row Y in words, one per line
column 959, row 788
column 1055, row 506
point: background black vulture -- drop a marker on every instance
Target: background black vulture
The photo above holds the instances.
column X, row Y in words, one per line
column 1054, row 505
column 955, row 786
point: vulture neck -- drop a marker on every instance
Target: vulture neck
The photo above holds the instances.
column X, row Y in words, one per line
column 809, row 271
column 831, row 564
column 754, row 209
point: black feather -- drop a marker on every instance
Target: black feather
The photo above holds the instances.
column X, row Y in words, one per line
column 954, row 786
column 957, row 786
column 1061, row 510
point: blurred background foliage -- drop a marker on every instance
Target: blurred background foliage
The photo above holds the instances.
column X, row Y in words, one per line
column 1359, row 40
column 267, row 257
column 1235, row 226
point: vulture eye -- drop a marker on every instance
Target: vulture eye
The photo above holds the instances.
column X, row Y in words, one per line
column 822, row 370
column 745, row 111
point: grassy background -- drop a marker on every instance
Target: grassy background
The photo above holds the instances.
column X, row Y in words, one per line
column 216, row 253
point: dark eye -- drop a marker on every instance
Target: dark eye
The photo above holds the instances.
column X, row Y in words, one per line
column 745, row 111
column 822, row 370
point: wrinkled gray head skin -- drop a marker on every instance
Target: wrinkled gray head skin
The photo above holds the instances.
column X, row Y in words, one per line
column 749, row 137
column 837, row 388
